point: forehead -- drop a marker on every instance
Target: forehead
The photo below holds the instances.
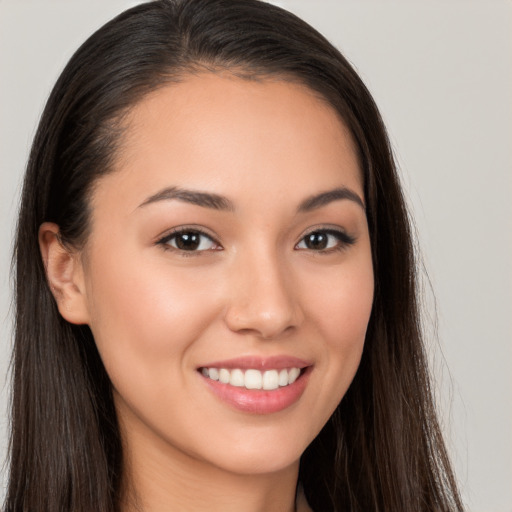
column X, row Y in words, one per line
column 233, row 135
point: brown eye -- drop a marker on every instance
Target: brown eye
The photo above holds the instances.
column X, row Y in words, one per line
column 189, row 240
column 325, row 240
column 316, row 240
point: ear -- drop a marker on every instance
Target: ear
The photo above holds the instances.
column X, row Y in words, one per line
column 64, row 271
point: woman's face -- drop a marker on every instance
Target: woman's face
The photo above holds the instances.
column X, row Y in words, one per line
column 229, row 252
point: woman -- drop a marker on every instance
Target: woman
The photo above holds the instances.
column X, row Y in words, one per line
column 216, row 301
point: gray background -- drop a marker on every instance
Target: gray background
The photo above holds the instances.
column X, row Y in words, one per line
column 441, row 72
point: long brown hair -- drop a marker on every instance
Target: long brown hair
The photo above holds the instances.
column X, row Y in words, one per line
column 382, row 449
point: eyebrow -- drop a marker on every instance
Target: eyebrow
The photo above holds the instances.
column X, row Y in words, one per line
column 204, row 199
column 324, row 198
column 218, row 202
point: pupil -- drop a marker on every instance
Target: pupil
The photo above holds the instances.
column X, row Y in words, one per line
column 188, row 241
column 316, row 241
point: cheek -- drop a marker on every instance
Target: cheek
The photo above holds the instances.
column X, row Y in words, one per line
column 145, row 327
column 145, row 316
column 343, row 303
column 341, row 309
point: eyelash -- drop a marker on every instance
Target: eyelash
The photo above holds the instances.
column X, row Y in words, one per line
column 164, row 241
column 343, row 240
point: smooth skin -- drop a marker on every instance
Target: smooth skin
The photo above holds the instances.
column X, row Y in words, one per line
column 256, row 284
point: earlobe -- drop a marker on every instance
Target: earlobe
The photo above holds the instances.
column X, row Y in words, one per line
column 64, row 272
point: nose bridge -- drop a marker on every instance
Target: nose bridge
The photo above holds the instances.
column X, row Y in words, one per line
column 262, row 298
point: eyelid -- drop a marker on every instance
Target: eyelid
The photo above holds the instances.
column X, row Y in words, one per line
column 169, row 234
column 345, row 239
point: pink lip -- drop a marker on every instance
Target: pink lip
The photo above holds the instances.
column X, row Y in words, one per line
column 259, row 363
column 254, row 400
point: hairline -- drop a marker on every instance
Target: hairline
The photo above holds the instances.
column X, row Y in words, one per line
column 120, row 122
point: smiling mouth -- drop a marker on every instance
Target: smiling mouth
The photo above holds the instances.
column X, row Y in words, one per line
column 252, row 378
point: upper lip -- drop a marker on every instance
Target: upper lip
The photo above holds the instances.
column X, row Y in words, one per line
column 259, row 363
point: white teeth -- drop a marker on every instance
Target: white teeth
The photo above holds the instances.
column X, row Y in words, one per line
column 292, row 376
column 237, row 378
column 270, row 380
column 253, row 379
column 224, row 375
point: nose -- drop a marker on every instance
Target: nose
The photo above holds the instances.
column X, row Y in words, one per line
column 263, row 298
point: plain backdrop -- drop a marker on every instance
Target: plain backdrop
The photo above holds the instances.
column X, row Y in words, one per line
column 441, row 72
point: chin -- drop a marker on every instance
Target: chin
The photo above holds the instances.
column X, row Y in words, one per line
column 260, row 453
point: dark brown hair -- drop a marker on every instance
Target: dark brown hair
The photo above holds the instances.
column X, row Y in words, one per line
column 382, row 449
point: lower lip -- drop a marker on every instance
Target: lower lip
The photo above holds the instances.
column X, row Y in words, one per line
column 259, row 401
